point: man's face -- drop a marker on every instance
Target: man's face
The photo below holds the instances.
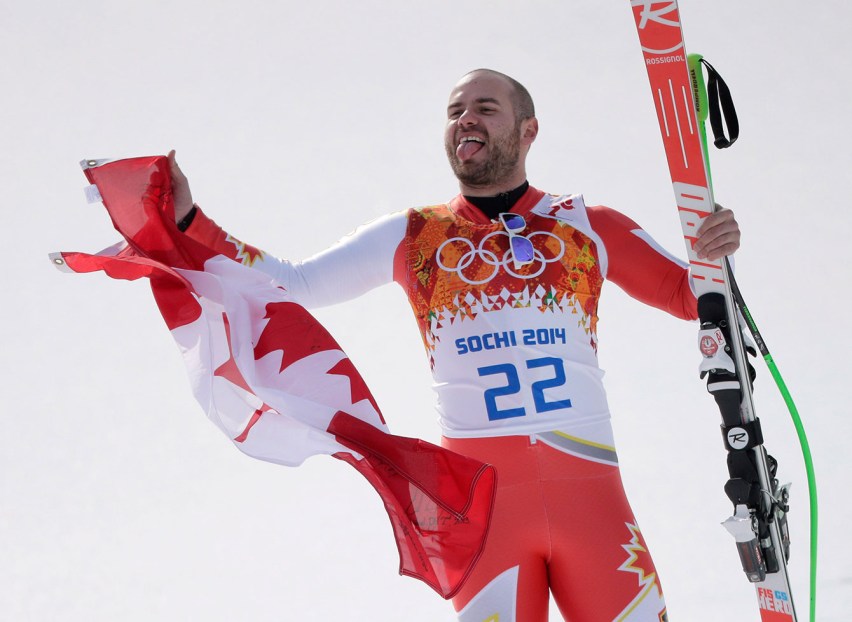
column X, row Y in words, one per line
column 482, row 137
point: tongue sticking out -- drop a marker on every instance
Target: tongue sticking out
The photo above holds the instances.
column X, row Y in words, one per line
column 466, row 149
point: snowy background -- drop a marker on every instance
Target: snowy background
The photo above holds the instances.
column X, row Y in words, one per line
column 297, row 121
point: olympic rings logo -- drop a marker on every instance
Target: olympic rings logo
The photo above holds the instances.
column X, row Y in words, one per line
column 490, row 257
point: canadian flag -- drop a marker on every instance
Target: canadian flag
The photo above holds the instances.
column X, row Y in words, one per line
column 275, row 381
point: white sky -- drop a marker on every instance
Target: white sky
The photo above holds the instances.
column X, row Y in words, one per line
column 295, row 123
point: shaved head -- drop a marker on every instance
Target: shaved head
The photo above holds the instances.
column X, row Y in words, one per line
column 521, row 99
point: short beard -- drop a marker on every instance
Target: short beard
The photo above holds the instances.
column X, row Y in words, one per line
column 503, row 158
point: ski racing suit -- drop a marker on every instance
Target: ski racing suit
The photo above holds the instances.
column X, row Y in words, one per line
column 513, row 352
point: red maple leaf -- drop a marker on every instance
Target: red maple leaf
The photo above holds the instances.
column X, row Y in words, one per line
column 356, row 382
column 639, row 560
column 294, row 332
column 245, row 254
column 250, row 254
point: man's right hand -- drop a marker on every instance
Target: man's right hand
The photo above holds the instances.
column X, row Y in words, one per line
column 180, row 189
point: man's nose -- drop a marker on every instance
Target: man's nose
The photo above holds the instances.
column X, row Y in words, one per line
column 468, row 118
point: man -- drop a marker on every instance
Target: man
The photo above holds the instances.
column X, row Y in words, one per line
column 504, row 281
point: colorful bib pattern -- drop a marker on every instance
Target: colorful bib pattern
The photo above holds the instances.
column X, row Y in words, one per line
column 512, row 347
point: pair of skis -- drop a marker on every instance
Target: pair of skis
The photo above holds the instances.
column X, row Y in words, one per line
column 759, row 521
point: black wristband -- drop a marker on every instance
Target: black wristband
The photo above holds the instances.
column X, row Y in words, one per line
column 184, row 222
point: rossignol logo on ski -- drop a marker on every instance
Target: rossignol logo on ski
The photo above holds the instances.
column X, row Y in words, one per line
column 737, row 438
column 661, row 23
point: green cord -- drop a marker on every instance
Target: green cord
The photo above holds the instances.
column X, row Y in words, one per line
column 803, row 441
column 700, row 98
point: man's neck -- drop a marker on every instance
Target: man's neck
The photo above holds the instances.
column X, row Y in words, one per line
column 491, row 190
column 495, row 204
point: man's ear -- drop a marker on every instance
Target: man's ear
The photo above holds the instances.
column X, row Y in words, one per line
column 529, row 130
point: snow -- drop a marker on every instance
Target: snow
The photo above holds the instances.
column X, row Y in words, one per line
column 295, row 122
